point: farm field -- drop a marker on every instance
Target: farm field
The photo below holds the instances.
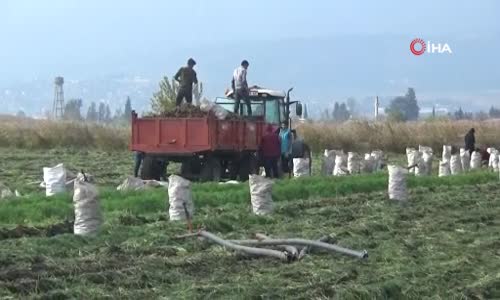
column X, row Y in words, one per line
column 442, row 243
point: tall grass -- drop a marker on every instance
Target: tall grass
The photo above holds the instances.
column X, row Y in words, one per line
column 41, row 134
column 352, row 135
column 395, row 137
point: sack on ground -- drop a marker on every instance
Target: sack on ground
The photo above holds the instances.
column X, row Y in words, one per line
column 475, row 160
column 465, row 159
column 446, row 153
column 179, row 194
column 261, row 194
column 5, row 192
column 55, row 180
column 328, row 162
column 353, row 163
column 378, row 158
column 340, row 168
column 444, row 168
column 493, row 156
column 413, row 157
column 131, row 184
column 88, row 218
column 427, row 157
column 368, row 165
column 455, row 164
column 397, row 188
column 300, row 167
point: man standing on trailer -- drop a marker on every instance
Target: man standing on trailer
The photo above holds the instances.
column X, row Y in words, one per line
column 240, row 87
column 186, row 76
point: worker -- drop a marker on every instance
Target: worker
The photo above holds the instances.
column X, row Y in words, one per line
column 270, row 152
column 286, row 146
column 240, row 87
column 138, row 158
column 186, row 76
column 470, row 141
column 300, row 150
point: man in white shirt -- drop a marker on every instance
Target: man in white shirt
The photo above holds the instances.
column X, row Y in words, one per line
column 240, row 87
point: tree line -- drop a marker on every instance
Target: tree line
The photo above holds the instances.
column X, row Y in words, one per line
column 96, row 112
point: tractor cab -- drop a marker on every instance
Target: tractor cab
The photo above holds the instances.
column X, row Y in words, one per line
column 273, row 106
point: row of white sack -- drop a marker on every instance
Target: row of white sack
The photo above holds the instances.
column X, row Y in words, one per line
column 58, row 180
column 420, row 161
column 337, row 163
column 88, row 216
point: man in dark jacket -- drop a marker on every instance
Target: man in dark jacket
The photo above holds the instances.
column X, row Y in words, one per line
column 470, row 141
column 300, row 150
column 186, row 76
column 270, row 151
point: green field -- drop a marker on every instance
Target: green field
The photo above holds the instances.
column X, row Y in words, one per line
column 442, row 244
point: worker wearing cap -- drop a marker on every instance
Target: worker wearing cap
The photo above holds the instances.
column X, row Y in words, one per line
column 240, row 87
column 186, row 76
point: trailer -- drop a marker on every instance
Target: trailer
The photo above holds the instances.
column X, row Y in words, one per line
column 210, row 149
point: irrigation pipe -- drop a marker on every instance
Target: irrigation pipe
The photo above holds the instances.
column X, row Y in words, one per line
column 303, row 242
column 290, row 249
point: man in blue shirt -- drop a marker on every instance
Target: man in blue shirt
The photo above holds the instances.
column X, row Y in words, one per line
column 286, row 145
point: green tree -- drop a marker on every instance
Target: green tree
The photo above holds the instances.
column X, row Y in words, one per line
column 92, row 115
column 494, row 112
column 405, row 107
column 21, row 114
column 128, row 110
column 101, row 113
column 107, row 114
column 72, row 110
column 335, row 113
column 164, row 99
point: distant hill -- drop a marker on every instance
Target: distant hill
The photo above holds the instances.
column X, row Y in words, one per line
column 322, row 70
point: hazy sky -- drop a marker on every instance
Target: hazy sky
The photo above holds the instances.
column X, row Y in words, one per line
column 53, row 24
column 97, row 37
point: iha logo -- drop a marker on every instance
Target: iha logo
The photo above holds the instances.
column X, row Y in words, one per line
column 419, row 47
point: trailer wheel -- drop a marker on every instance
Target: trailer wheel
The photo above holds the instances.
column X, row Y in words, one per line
column 151, row 168
column 211, row 170
column 248, row 165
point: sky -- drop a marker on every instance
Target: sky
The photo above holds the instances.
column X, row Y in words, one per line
column 39, row 37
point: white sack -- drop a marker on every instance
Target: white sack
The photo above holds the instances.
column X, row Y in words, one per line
column 413, row 157
column 340, row 165
column 475, row 160
column 261, row 194
column 427, row 157
column 5, row 192
column 455, row 164
column 378, row 158
column 300, row 167
column 328, row 162
column 179, row 192
column 88, row 218
column 369, row 164
column 55, row 180
column 397, row 183
column 219, row 111
column 131, row 184
column 465, row 159
column 446, row 153
column 353, row 163
column 495, row 161
column 444, row 168
column 493, row 156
